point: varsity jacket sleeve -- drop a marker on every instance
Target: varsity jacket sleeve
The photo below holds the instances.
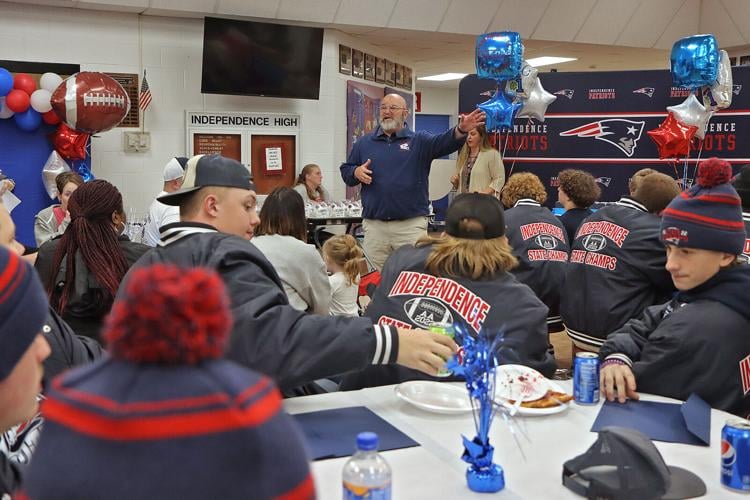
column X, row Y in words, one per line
column 626, row 344
column 292, row 346
column 67, row 348
column 352, row 162
column 526, row 340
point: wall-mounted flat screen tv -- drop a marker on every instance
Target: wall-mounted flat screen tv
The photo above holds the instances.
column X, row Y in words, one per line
column 261, row 59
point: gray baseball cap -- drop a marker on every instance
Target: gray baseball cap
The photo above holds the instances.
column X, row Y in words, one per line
column 209, row 170
column 623, row 464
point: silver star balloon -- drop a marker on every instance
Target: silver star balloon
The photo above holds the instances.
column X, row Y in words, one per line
column 719, row 95
column 535, row 105
column 692, row 112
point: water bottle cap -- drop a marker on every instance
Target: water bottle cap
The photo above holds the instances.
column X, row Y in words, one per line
column 367, row 441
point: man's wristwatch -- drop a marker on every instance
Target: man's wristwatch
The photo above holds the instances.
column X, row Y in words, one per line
column 460, row 131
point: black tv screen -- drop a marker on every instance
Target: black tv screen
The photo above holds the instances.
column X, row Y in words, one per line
column 261, row 59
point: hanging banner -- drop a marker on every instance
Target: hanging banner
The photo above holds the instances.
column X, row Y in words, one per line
column 599, row 122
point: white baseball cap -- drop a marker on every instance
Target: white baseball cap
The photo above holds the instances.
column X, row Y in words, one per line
column 175, row 168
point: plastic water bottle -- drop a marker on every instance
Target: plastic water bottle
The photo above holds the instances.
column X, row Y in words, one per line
column 366, row 474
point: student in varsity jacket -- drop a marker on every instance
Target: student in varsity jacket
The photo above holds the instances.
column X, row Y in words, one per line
column 616, row 267
column 697, row 342
column 742, row 185
column 460, row 278
column 217, row 212
column 538, row 240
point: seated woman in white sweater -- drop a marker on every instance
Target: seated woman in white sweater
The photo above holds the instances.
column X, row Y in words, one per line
column 281, row 237
column 343, row 256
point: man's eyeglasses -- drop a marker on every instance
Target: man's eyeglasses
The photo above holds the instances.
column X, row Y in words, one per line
column 391, row 108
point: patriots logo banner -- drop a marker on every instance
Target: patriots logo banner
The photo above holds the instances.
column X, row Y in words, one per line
column 604, row 132
column 622, row 134
column 649, row 91
column 565, row 93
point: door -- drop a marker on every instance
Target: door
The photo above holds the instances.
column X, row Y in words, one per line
column 273, row 160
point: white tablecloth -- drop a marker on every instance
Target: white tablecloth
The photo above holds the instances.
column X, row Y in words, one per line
column 435, row 470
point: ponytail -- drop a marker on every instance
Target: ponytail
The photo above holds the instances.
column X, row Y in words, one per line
column 345, row 252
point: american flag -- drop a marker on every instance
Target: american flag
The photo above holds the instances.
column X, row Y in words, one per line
column 144, row 99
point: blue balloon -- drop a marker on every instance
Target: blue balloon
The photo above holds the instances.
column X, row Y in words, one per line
column 695, row 61
column 82, row 169
column 499, row 111
column 6, row 82
column 499, row 56
column 29, row 120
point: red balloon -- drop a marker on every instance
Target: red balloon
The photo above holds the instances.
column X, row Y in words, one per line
column 50, row 117
column 25, row 82
column 71, row 144
column 672, row 137
column 17, row 101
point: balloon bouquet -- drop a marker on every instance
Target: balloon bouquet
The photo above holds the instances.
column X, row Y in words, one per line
column 86, row 103
column 519, row 93
column 696, row 63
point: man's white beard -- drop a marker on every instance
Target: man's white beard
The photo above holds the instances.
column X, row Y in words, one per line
column 389, row 124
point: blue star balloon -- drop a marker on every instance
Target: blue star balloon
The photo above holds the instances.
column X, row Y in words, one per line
column 499, row 55
column 80, row 167
column 499, row 111
column 695, row 61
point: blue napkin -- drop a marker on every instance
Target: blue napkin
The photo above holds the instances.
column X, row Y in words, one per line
column 333, row 433
column 688, row 422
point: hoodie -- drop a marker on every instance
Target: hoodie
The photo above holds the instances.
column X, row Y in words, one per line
column 699, row 342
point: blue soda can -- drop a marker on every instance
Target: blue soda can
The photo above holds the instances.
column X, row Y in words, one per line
column 735, row 454
column 445, row 329
column 586, row 378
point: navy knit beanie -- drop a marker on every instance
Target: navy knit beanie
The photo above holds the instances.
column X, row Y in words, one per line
column 164, row 417
column 23, row 309
column 708, row 215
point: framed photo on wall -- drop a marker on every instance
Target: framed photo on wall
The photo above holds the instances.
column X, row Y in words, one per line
column 399, row 75
column 345, row 60
column 408, row 78
column 370, row 67
column 390, row 72
column 380, row 70
column 358, row 63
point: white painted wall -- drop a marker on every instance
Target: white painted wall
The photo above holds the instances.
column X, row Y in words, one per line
column 170, row 49
column 439, row 101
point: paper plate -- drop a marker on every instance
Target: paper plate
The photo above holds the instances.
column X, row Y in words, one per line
column 537, row 412
column 519, row 382
column 435, row 397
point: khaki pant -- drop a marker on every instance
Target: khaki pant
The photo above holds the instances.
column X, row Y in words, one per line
column 383, row 237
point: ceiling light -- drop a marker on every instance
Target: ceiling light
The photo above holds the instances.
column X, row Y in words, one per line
column 443, row 77
column 547, row 60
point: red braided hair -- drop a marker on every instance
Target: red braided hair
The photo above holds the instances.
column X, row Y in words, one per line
column 90, row 232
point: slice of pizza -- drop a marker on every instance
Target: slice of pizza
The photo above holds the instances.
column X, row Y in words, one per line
column 549, row 400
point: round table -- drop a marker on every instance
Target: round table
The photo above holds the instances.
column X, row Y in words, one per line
column 435, row 469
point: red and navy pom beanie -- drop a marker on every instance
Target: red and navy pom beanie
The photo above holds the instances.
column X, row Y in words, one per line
column 708, row 215
column 164, row 416
column 23, row 309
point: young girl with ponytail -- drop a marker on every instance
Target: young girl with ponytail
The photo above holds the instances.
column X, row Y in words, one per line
column 343, row 257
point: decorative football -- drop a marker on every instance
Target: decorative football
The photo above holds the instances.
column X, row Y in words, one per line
column 90, row 102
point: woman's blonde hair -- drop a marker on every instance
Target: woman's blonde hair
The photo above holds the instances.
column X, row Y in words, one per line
column 523, row 185
column 344, row 251
column 484, row 145
column 470, row 258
